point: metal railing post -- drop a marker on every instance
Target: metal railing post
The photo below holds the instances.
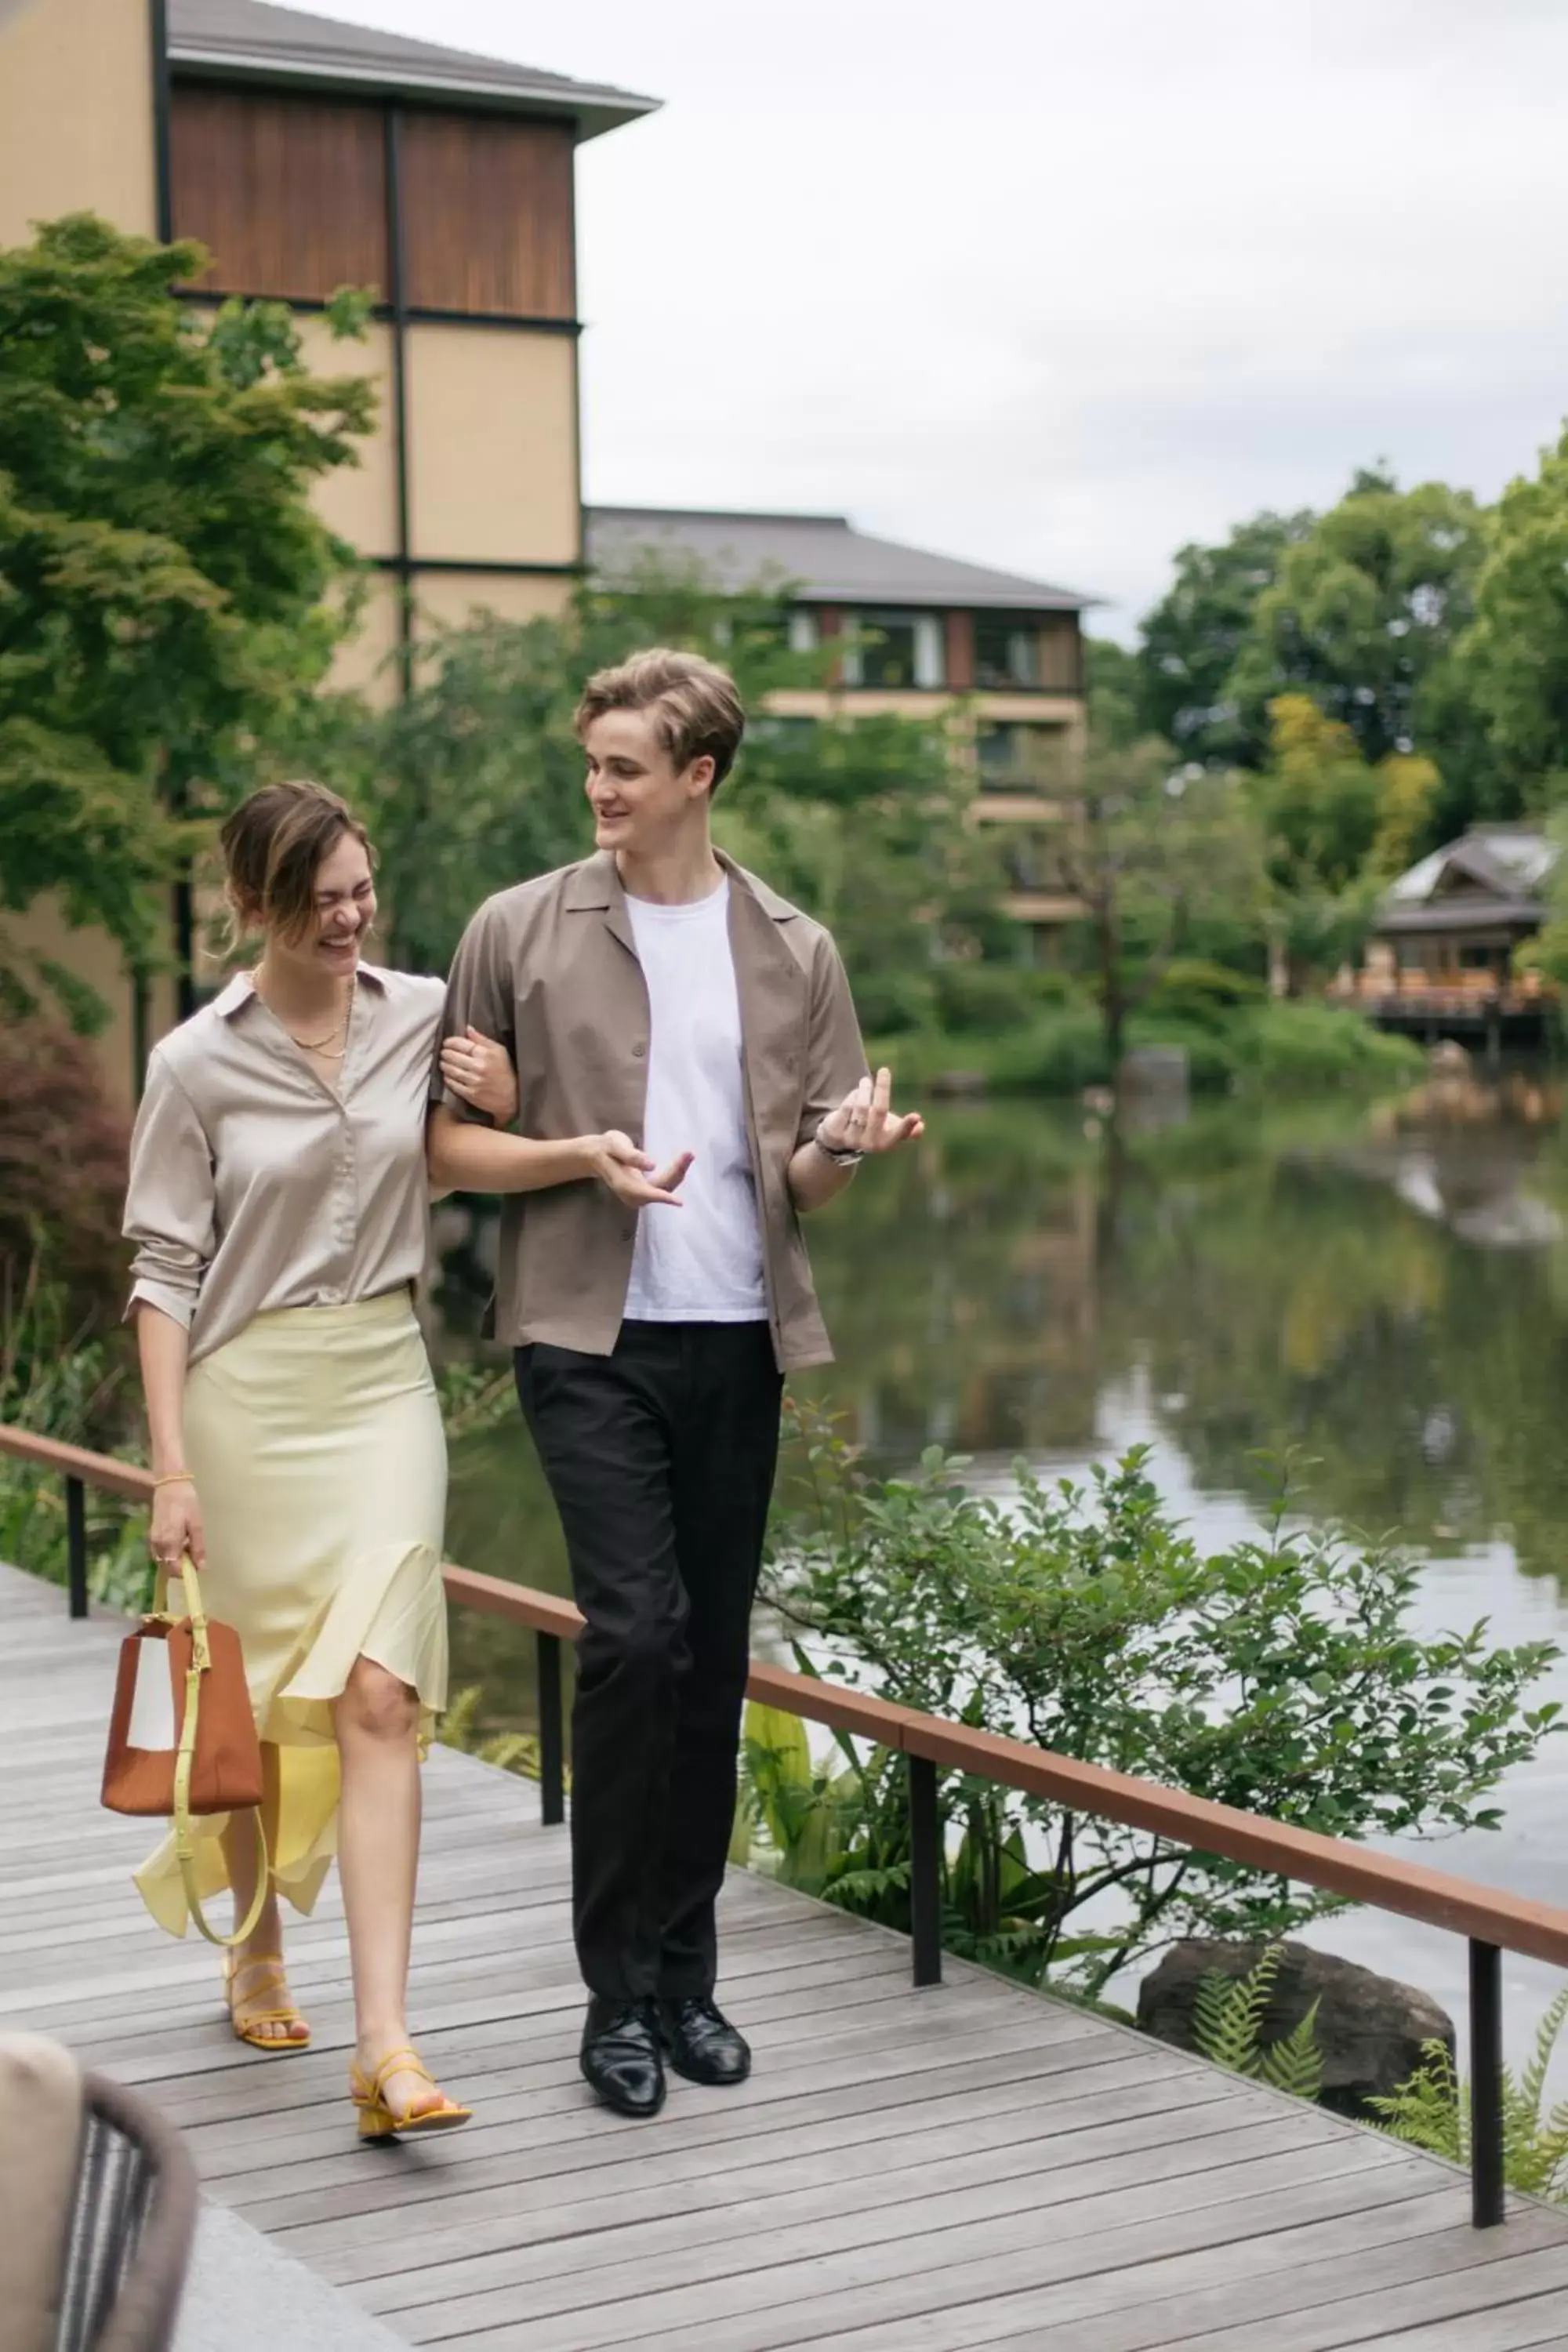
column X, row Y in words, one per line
column 76, row 1545
column 552, row 1753
column 925, row 1871
column 1486, row 2086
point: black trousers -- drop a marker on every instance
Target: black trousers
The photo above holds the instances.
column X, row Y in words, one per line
column 661, row 1459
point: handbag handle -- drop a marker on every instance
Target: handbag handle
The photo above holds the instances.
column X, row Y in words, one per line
column 185, row 1760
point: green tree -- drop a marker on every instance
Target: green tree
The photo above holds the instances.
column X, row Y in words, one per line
column 1336, row 829
column 1364, row 613
column 1193, row 637
column 1115, row 678
column 166, row 591
column 1154, row 853
column 1515, row 657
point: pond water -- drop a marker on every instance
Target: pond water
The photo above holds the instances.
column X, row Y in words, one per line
column 1384, row 1288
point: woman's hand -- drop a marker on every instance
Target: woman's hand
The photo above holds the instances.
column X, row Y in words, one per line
column 177, row 1525
column 480, row 1073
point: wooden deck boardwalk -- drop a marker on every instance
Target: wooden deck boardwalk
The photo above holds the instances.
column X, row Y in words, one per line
column 906, row 2173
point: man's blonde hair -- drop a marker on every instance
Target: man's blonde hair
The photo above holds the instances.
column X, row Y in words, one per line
column 698, row 709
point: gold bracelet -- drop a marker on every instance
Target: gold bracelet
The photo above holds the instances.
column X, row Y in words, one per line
column 174, row 1478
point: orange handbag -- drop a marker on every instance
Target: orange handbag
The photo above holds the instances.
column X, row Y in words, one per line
column 208, row 1758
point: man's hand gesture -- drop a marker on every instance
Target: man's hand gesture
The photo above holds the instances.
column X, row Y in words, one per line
column 866, row 1120
column 627, row 1172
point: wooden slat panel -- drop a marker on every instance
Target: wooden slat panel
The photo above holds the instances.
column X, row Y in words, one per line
column 1061, row 654
column 486, row 215
column 288, row 193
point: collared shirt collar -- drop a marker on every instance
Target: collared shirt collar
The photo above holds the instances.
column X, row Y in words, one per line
column 239, row 991
column 596, row 887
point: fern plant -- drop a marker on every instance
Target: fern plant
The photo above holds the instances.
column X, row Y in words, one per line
column 1431, row 2110
column 1227, row 2027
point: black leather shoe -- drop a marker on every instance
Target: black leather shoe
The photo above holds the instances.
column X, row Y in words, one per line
column 620, row 2056
column 702, row 2042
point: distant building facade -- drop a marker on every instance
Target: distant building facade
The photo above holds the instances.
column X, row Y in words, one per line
column 309, row 155
column 1439, row 960
column 918, row 631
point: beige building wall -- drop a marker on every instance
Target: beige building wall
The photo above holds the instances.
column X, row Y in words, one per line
column 76, row 114
column 445, row 600
column 358, row 501
column 91, row 955
column 366, row 663
column 492, row 442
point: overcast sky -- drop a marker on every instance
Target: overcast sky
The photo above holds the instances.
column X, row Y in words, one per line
column 1057, row 285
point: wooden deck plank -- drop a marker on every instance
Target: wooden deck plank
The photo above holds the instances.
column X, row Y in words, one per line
column 905, row 2172
column 789, row 2302
column 984, row 2139
column 1382, row 2296
column 897, row 2218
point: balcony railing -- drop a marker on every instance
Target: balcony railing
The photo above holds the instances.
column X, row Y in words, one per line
column 1492, row 1921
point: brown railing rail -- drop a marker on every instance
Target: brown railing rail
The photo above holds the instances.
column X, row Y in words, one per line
column 1493, row 1921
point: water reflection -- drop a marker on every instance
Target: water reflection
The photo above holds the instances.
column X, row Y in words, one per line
column 1385, row 1289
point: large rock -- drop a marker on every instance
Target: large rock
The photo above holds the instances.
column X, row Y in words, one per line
column 1370, row 2029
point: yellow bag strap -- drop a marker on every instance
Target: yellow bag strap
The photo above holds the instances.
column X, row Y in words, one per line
column 184, row 1761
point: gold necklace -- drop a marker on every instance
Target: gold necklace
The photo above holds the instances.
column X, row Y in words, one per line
column 315, row 1044
column 320, row 1045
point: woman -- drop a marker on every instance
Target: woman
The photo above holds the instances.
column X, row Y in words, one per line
column 279, row 1203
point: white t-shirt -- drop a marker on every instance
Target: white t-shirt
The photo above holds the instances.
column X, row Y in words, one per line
column 701, row 1263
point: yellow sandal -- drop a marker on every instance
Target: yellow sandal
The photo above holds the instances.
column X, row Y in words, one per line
column 378, row 2121
column 276, row 2045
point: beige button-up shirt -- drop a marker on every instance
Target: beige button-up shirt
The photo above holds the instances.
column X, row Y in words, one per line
column 254, row 1185
column 551, row 969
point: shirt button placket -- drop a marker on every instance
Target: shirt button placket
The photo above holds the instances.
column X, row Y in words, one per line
column 344, row 1232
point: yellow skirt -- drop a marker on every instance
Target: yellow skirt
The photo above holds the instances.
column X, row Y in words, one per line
column 316, row 1444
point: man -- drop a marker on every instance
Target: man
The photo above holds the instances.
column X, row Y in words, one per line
column 692, row 1079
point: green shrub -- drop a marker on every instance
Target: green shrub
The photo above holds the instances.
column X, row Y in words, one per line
column 985, row 999
column 1196, row 990
column 1251, row 1045
column 1283, row 1676
column 1297, row 1044
column 1056, row 1052
column 78, row 1395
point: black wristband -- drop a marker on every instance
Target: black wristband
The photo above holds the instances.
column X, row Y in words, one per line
column 842, row 1155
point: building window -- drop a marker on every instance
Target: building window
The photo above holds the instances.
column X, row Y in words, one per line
column 895, row 649
column 804, row 636
column 1019, row 755
column 1006, row 651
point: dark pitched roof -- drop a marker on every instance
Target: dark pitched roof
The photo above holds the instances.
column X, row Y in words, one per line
column 1511, row 863
column 825, row 556
column 251, row 39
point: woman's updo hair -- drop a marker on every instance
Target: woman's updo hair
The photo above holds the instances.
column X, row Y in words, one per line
column 273, row 845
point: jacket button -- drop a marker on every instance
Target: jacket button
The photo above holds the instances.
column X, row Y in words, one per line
column 639, row 1050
